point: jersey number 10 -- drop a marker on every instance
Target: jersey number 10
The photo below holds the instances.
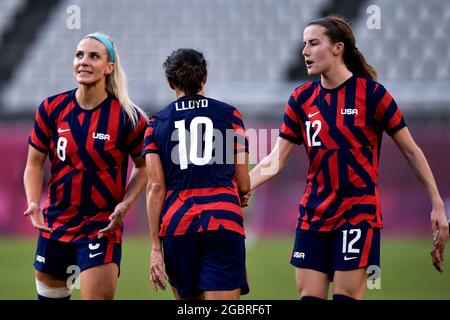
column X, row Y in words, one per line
column 194, row 142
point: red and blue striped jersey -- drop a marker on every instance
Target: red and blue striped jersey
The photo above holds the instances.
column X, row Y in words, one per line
column 197, row 139
column 88, row 151
column 341, row 130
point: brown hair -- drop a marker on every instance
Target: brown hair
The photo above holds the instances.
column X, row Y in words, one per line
column 186, row 69
column 339, row 30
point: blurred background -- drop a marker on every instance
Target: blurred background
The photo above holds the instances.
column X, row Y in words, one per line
column 253, row 48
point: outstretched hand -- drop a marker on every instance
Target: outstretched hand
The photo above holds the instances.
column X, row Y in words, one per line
column 37, row 218
column 116, row 219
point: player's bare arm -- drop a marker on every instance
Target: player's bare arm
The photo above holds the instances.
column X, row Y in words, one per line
column 242, row 177
column 272, row 164
column 419, row 164
column 156, row 193
column 32, row 179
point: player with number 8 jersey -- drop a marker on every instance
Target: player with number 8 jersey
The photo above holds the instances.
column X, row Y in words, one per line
column 89, row 152
column 89, row 133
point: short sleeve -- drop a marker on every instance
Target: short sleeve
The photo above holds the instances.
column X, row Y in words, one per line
column 388, row 116
column 241, row 140
column 41, row 133
column 290, row 128
column 135, row 138
column 150, row 145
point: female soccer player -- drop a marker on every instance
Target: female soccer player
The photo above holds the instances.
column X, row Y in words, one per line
column 88, row 132
column 340, row 119
column 197, row 159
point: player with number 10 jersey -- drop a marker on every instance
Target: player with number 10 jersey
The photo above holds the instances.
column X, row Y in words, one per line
column 192, row 149
column 201, row 190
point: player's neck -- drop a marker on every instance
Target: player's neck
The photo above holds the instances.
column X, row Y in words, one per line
column 88, row 97
column 335, row 76
column 179, row 94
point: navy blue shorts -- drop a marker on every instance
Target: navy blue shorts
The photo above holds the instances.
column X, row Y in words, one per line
column 340, row 250
column 206, row 261
column 59, row 258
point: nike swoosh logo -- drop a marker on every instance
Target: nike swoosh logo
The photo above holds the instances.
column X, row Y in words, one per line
column 92, row 255
column 63, row 130
column 349, row 258
column 313, row 114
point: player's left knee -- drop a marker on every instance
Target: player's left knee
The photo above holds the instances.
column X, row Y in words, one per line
column 46, row 292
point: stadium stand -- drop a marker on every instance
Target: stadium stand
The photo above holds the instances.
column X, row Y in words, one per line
column 248, row 45
column 8, row 8
column 411, row 51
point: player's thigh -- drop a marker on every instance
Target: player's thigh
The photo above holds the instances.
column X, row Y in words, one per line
column 312, row 283
column 53, row 259
column 355, row 249
column 99, row 263
column 50, row 280
column 223, row 273
column 312, row 257
column 99, row 282
column 182, row 255
column 350, row 283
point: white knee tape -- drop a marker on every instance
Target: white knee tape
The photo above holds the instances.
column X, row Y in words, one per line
column 53, row 293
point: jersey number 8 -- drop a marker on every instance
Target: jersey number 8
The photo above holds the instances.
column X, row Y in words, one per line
column 61, row 148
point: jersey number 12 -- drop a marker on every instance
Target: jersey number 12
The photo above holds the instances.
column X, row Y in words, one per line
column 312, row 139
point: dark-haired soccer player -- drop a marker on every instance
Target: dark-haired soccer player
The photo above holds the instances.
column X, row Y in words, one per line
column 197, row 159
column 340, row 119
column 88, row 133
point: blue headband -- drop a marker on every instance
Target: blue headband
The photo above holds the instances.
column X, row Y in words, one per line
column 106, row 42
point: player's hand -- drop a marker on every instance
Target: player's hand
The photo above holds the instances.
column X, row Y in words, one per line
column 158, row 276
column 116, row 219
column 37, row 218
column 245, row 199
column 440, row 228
column 437, row 257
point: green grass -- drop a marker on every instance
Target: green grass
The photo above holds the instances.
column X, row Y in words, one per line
column 406, row 271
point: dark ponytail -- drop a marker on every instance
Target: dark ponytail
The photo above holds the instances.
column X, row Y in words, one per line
column 186, row 70
column 339, row 30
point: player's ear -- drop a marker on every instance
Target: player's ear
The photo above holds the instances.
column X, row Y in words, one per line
column 109, row 68
column 172, row 86
column 338, row 48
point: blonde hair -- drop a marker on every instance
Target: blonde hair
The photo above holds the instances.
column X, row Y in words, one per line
column 116, row 83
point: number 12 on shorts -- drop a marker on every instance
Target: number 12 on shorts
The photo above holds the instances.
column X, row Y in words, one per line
column 348, row 247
